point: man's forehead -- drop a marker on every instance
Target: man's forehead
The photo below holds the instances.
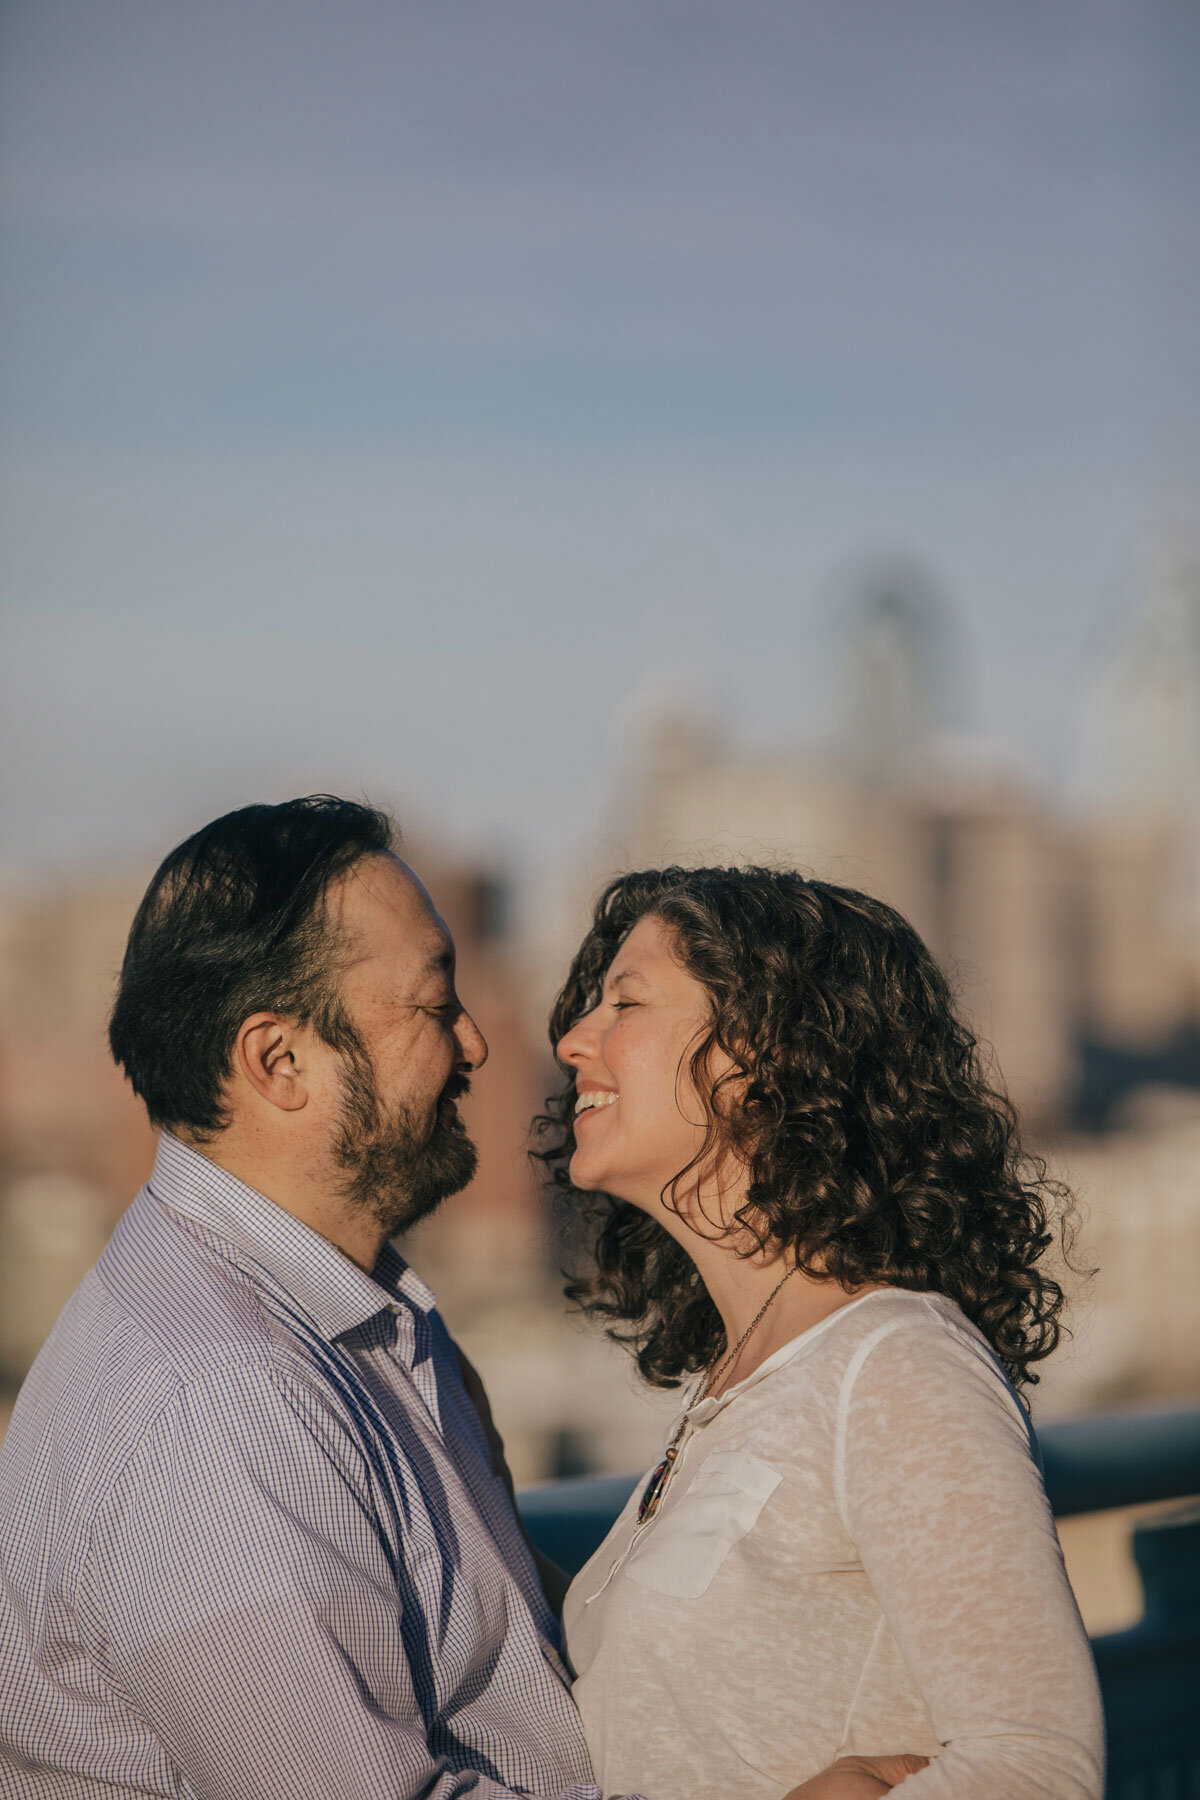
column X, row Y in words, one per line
column 381, row 897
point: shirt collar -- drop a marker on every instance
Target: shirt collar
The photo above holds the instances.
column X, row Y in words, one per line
column 335, row 1293
column 701, row 1411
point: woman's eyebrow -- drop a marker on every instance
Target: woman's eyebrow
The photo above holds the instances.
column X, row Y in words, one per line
column 624, row 975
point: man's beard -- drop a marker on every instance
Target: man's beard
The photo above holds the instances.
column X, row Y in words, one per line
column 390, row 1172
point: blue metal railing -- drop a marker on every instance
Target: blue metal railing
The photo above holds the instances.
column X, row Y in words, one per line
column 1149, row 1675
column 1121, row 1458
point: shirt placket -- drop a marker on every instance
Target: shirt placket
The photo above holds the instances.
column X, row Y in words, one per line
column 408, row 1339
column 640, row 1529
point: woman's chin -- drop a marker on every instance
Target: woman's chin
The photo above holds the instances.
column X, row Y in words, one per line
column 591, row 1176
column 585, row 1174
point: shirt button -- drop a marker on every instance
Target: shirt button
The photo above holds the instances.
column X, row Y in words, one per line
column 395, row 1309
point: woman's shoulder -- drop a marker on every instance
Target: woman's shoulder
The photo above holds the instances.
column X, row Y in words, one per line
column 889, row 1343
column 889, row 1346
column 929, row 1321
column 920, row 1330
column 917, row 1355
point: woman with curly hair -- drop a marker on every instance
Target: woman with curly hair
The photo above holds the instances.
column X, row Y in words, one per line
column 803, row 1194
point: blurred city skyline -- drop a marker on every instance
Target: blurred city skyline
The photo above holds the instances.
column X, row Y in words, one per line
column 393, row 396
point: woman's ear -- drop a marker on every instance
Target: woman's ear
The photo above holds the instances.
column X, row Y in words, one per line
column 270, row 1056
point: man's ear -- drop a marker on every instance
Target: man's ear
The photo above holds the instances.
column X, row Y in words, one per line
column 270, row 1055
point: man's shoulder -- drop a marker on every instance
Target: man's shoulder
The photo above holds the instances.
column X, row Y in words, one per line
column 163, row 1315
column 186, row 1303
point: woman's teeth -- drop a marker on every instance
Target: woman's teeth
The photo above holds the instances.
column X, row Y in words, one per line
column 594, row 1097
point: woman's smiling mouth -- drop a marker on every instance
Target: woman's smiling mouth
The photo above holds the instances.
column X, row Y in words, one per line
column 593, row 1099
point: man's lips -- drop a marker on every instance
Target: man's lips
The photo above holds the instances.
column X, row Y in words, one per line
column 446, row 1110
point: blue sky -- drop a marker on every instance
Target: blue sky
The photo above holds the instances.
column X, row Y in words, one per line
column 391, row 393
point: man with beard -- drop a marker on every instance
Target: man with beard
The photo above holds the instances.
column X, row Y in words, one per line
column 253, row 1542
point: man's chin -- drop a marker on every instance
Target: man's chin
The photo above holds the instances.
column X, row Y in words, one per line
column 435, row 1179
column 452, row 1179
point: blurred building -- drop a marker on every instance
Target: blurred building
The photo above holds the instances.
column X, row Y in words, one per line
column 1141, row 928
column 1134, row 1327
column 1072, row 936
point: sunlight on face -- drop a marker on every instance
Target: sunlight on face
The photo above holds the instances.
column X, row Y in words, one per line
column 631, row 1055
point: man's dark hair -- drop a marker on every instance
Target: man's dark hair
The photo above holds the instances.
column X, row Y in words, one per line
column 233, row 923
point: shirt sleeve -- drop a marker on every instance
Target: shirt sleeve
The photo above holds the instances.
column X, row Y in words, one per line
column 242, row 1596
column 941, row 1492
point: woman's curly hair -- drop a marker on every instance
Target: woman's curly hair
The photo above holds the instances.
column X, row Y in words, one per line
column 877, row 1151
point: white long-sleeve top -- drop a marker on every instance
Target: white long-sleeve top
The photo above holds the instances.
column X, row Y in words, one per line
column 854, row 1555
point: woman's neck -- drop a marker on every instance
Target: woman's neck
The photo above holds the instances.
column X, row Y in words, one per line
column 741, row 1286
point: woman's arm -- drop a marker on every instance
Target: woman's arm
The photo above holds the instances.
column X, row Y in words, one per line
column 940, row 1491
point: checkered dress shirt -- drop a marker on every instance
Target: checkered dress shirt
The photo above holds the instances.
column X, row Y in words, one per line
column 251, row 1543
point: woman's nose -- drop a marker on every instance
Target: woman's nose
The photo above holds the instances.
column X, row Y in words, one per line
column 574, row 1044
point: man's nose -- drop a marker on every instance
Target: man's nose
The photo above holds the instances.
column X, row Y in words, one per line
column 471, row 1041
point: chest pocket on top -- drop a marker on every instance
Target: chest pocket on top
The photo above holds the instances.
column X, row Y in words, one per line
column 684, row 1548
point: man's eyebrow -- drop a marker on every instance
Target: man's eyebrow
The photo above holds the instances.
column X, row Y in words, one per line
column 441, row 962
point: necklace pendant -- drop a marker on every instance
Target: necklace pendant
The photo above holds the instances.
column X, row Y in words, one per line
column 656, row 1486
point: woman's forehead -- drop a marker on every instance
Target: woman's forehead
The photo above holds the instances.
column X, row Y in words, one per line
column 647, row 950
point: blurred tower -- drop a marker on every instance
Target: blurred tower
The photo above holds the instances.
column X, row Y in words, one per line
column 1151, row 742
column 675, row 749
column 970, row 857
column 1000, row 875
column 894, row 675
column 1143, row 965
